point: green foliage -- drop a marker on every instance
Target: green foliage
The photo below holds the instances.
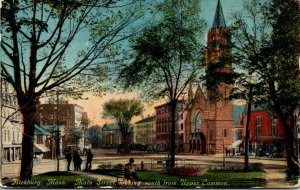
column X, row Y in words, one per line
column 104, row 166
column 217, row 179
column 167, row 57
column 76, row 134
column 47, row 43
column 167, row 54
column 266, row 50
column 93, row 135
column 122, row 111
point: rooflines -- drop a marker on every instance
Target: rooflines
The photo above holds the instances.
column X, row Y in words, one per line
column 219, row 21
column 148, row 119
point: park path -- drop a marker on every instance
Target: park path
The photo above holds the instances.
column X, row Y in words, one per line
column 275, row 179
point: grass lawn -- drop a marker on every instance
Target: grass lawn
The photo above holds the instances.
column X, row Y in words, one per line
column 211, row 179
column 150, row 179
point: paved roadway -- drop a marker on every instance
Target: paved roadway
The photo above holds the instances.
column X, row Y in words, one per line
column 149, row 159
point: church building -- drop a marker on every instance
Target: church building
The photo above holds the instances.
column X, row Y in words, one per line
column 210, row 125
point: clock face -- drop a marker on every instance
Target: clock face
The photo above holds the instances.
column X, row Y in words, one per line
column 197, row 121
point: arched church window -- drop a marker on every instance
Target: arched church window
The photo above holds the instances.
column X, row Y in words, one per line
column 197, row 121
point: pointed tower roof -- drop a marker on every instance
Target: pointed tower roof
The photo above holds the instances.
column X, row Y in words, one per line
column 199, row 93
column 190, row 93
column 219, row 21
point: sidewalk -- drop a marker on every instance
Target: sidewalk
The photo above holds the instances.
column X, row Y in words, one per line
column 275, row 179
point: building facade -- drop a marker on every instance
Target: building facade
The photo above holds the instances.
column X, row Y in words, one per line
column 42, row 142
column 144, row 131
column 209, row 126
column 45, row 140
column 68, row 115
column 266, row 134
column 110, row 136
column 163, row 126
column 12, row 127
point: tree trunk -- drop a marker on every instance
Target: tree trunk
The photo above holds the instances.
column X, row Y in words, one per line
column 28, row 111
column 246, row 164
column 292, row 166
column 124, row 133
column 173, row 135
column 292, row 162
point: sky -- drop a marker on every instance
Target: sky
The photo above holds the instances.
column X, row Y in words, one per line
column 93, row 105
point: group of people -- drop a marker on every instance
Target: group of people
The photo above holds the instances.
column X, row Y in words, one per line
column 130, row 168
column 77, row 160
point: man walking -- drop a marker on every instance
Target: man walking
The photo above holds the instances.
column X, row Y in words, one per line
column 68, row 156
column 89, row 158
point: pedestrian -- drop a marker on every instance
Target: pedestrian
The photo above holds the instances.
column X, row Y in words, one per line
column 68, row 156
column 130, row 171
column 77, row 161
column 89, row 159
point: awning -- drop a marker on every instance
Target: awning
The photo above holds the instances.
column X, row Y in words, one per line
column 40, row 148
column 236, row 144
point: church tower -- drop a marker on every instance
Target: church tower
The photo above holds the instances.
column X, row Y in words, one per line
column 209, row 128
column 217, row 43
column 217, row 49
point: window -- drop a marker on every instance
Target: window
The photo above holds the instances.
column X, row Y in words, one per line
column 211, row 134
column 273, row 128
column 181, row 126
column 258, row 126
column 4, row 135
column 8, row 136
column 197, row 121
column 224, row 133
column 39, row 139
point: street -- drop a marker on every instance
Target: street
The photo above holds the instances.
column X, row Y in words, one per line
column 274, row 169
column 111, row 157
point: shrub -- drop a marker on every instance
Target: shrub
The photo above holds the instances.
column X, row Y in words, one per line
column 257, row 167
column 118, row 167
column 186, row 171
column 104, row 166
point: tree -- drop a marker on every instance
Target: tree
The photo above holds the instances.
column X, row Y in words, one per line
column 167, row 57
column 122, row 111
column 266, row 44
column 76, row 135
column 93, row 135
column 42, row 47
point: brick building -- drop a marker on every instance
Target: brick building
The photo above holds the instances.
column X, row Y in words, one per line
column 69, row 115
column 209, row 125
column 163, row 126
column 266, row 134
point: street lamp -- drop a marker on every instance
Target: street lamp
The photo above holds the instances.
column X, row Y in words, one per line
column 223, row 136
column 1, row 125
column 58, row 135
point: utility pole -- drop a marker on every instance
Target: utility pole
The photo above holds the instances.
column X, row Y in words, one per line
column 58, row 135
column 1, row 143
column 223, row 135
